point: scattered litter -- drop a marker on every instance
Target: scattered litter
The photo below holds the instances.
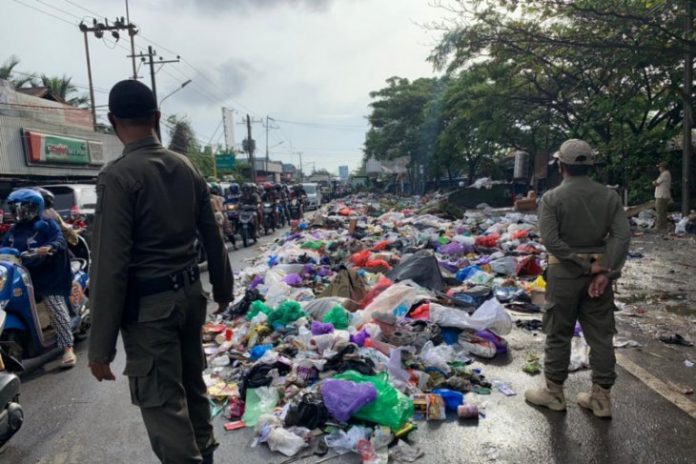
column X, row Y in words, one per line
column 622, row 342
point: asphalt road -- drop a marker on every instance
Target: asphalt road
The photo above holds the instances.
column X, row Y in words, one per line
column 71, row 418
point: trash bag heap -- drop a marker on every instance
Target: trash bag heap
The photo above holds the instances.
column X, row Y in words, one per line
column 365, row 320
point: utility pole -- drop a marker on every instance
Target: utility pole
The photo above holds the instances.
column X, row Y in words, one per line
column 99, row 28
column 251, row 149
column 301, row 171
column 149, row 59
column 131, row 32
column 688, row 113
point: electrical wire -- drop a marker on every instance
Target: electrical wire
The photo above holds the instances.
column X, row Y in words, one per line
column 83, row 8
column 322, row 125
column 45, row 12
column 58, row 9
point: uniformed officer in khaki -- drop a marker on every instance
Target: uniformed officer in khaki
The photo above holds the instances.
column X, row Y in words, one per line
column 586, row 234
column 145, row 280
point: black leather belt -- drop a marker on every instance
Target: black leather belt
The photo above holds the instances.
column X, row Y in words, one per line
column 172, row 282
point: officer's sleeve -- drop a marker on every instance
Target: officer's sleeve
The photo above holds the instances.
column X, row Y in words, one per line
column 111, row 254
column 549, row 229
column 619, row 240
column 219, row 269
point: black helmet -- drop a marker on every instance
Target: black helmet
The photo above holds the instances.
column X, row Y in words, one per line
column 277, row 186
column 248, row 186
column 48, row 197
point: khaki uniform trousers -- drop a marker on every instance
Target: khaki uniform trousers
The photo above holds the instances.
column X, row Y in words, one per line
column 164, row 364
column 567, row 301
column 661, row 208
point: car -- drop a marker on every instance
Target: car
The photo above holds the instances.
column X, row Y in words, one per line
column 313, row 195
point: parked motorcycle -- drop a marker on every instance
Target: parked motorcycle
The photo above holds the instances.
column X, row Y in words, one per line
column 247, row 224
column 26, row 333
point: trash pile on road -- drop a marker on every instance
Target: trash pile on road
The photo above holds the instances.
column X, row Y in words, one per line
column 366, row 320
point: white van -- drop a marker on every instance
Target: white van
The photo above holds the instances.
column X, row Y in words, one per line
column 313, row 195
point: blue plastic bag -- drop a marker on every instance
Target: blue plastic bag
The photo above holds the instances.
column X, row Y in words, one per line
column 258, row 351
column 453, row 399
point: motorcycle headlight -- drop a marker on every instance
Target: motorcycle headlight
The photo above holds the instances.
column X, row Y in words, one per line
column 3, row 277
column 230, row 207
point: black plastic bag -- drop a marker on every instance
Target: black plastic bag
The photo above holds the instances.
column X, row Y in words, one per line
column 309, row 412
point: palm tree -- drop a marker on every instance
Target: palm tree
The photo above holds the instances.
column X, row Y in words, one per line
column 62, row 87
column 7, row 72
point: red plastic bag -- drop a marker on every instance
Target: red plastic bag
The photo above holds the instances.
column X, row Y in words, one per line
column 345, row 212
column 422, row 312
column 381, row 245
column 520, row 234
column 528, row 266
column 360, row 258
column 377, row 263
column 487, row 241
column 382, row 284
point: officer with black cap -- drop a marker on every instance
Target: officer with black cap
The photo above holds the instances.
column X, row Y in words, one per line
column 145, row 280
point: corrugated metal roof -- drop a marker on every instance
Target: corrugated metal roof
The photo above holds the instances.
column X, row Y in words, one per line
column 13, row 160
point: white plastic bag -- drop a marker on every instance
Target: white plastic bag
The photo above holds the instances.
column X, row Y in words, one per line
column 345, row 442
column 405, row 293
column 437, row 356
column 579, row 354
column 285, row 442
column 505, row 266
column 490, row 315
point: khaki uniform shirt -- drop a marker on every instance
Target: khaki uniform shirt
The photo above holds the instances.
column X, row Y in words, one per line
column 151, row 201
column 664, row 185
column 582, row 217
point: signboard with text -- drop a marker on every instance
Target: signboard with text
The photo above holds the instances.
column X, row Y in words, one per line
column 42, row 148
column 225, row 161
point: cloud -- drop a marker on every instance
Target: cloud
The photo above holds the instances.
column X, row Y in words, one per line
column 227, row 80
column 218, row 6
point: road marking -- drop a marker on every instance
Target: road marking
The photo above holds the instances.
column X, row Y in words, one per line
column 657, row 385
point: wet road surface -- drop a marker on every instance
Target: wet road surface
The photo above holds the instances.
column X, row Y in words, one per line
column 71, row 418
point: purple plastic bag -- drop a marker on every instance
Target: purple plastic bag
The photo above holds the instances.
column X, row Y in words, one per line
column 324, row 271
column 308, row 269
column 256, row 281
column 501, row 346
column 449, row 266
column 343, row 398
column 294, row 280
column 359, row 338
column 321, row 328
column 452, row 249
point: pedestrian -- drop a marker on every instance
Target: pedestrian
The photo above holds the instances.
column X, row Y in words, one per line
column 145, row 280
column 663, row 196
column 586, row 234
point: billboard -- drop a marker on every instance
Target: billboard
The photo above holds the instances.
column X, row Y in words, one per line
column 343, row 172
column 42, row 148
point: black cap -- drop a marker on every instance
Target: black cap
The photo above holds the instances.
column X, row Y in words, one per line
column 131, row 99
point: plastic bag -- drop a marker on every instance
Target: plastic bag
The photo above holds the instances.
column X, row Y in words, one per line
column 257, row 307
column 287, row 312
column 466, row 272
column 309, row 412
column 579, row 354
column 313, row 245
column 337, row 316
column 346, row 442
column 343, row 398
column 504, row 266
column 258, row 351
column 391, row 408
column 490, row 315
column 360, row 258
column 320, row 328
column 285, row 442
column 259, row 401
column 401, row 294
column 437, row 356
column 294, row 280
column 382, row 284
column 453, row 399
column 318, row 308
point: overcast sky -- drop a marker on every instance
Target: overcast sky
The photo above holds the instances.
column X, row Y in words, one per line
column 312, row 62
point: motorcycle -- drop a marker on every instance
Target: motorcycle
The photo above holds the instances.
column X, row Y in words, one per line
column 232, row 212
column 281, row 213
column 11, row 414
column 268, row 218
column 247, row 224
column 26, row 333
column 295, row 210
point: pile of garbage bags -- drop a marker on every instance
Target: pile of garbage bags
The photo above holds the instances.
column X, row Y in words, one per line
column 366, row 319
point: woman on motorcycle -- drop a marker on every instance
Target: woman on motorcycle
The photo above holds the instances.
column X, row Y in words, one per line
column 69, row 233
column 50, row 267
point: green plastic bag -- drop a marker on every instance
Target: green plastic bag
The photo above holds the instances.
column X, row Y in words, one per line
column 257, row 307
column 337, row 316
column 313, row 245
column 391, row 408
column 287, row 312
column 258, row 401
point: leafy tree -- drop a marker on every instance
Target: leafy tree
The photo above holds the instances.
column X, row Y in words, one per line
column 63, row 87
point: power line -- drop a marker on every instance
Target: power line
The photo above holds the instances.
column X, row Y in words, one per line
column 58, row 9
column 83, row 8
column 320, row 124
column 44, row 12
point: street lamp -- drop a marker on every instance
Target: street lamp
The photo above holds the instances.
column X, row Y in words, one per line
column 175, row 91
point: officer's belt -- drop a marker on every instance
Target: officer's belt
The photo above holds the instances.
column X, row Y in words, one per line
column 589, row 257
column 172, row 282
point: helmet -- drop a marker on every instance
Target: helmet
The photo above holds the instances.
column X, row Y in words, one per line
column 248, row 186
column 234, row 188
column 267, row 186
column 48, row 197
column 26, row 204
column 215, row 188
column 277, row 186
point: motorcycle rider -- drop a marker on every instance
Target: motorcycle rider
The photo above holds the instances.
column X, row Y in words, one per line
column 269, row 196
column 50, row 270
column 250, row 197
column 69, row 233
column 299, row 193
column 282, row 198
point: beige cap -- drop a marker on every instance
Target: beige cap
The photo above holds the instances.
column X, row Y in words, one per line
column 575, row 152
